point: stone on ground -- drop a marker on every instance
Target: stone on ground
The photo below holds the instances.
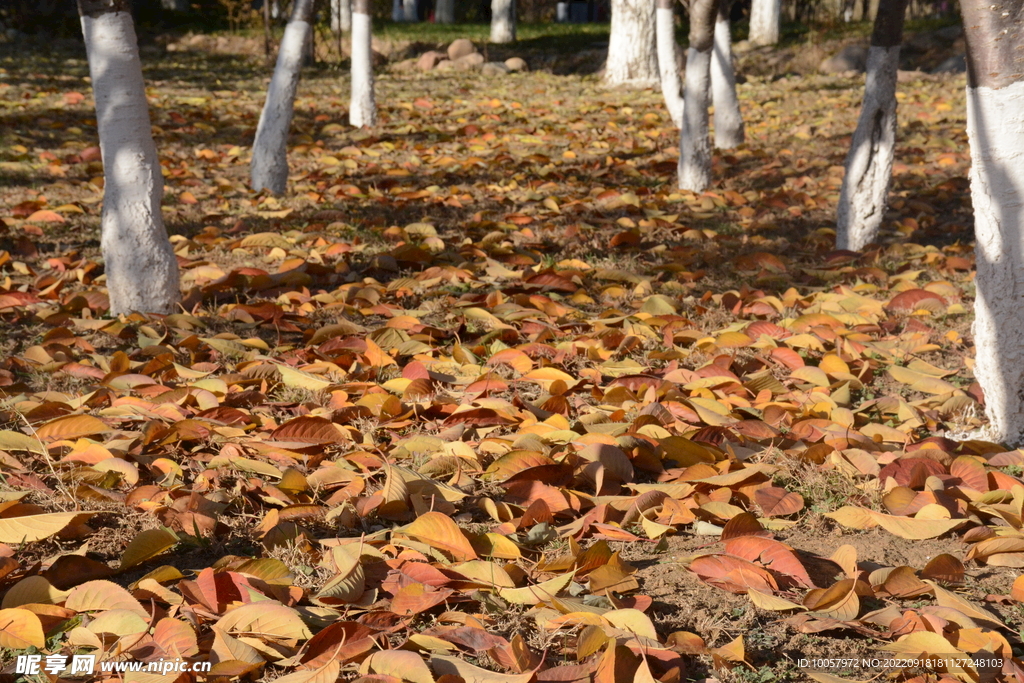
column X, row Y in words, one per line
column 516, row 64
column 494, row 69
column 460, row 48
column 468, row 62
column 428, row 60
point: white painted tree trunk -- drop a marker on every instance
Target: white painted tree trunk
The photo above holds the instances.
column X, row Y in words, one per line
column 341, row 16
column 444, row 12
column 409, row 11
column 995, row 125
column 275, row 9
column 695, row 143
column 729, row 130
column 671, row 87
column 764, row 21
column 362, row 107
column 270, row 148
column 503, row 21
column 175, row 5
column 397, row 11
column 865, row 190
column 141, row 269
column 632, row 54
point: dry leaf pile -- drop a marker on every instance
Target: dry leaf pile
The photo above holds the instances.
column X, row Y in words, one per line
column 439, row 415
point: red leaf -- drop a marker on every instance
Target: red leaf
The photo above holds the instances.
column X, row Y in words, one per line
column 778, row 502
column 914, row 299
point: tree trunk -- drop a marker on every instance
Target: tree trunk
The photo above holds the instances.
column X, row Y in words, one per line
column 175, row 5
column 632, row 54
column 671, row 87
column 409, row 11
column 995, row 126
column 270, row 148
column 444, row 12
column 503, row 21
column 764, row 21
column 695, row 145
column 728, row 120
column 141, row 269
column 362, row 109
column 865, row 191
column 341, row 16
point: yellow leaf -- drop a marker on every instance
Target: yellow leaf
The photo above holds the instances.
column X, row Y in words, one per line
column 469, row 673
column 487, row 573
column 811, row 374
column 947, row 598
column 833, row 364
column 147, row 545
column 402, row 664
column 632, row 620
column 291, row 377
column 119, row 622
column 16, row 441
column 349, row 583
column 532, row 595
column 20, row 629
column 32, row 590
column 771, row 602
column 853, row 517
column 496, row 545
column 265, row 618
column 36, row 527
column 438, row 530
column 99, row 596
column 654, row 529
column 916, row 529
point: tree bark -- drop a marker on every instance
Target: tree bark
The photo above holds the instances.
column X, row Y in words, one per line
column 671, row 87
column 362, row 109
column 995, row 125
column 764, row 21
column 409, row 11
column 632, row 54
column 729, row 131
column 270, row 148
column 141, row 268
column 444, row 12
column 864, row 195
column 503, row 21
column 695, row 144
column 341, row 16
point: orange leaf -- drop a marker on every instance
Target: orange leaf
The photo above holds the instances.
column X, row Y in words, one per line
column 46, row 216
column 439, row 531
column 778, row 502
column 20, row 629
column 71, row 427
column 733, row 574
